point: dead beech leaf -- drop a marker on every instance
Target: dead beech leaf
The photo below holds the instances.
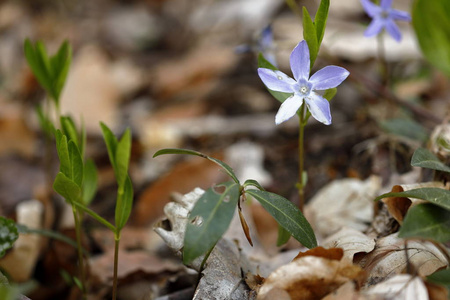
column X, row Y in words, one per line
column 398, row 206
column 400, row 287
column 343, row 203
column 308, row 277
column 389, row 258
column 332, row 254
column 351, row 241
column 183, row 178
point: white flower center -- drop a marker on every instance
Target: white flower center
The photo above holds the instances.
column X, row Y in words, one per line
column 304, row 90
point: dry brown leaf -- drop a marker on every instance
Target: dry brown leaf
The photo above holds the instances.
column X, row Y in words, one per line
column 332, row 253
column 401, row 287
column 351, row 241
column 436, row 292
column 389, row 258
column 309, row 277
column 184, row 177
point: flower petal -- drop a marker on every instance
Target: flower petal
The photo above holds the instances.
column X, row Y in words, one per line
column 276, row 80
column 393, row 30
column 400, row 15
column 374, row 27
column 300, row 61
column 288, row 108
column 385, row 4
column 328, row 77
column 319, row 108
column 371, row 9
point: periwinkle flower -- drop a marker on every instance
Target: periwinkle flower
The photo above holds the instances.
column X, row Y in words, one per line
column 303, row 87
column 383, row 16
column 263, row 44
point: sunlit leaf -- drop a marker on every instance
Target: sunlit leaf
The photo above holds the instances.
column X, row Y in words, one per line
column 437, row 196
column 76, row 164
column 89, row 182
column 426, row 221
column 209, row 219
column 69, row 129
column 60, row 64
column 8, row 234
column 425, row 159
column 111, row 143
column 320, row 20
column 310, row 36
column 287, row 215
column 124, row 204
column 67, row 188
column 223, row 165
column 122, row 158
column 63, row 153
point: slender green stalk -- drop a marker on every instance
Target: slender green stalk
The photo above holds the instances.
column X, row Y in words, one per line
column 80, row 251
column 300, row 184
column 116, row 262
column 383, row 61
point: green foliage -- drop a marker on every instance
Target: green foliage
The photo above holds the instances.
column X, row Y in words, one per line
column 8, row 234
column 287, row 215
column 67, row 188
column 283, row 236
column 425, row 159
column 119, row 152
column 223, row 165
column 51, row 72
column 254, row 183
column 405, row 127
column 432, row 26
column 310, row 36
column 90, row 181
column 320, row 20
column 209, row 219
column 426, row 221
column 437, row 196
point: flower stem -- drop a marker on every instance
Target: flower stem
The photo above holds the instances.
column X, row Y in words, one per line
column 300, row 184
column 116, row 262
column 383, row 61
column 78, row 232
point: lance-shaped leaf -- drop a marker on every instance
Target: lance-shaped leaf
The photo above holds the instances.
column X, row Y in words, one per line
column 223, row 165
column 264, row 63
column 111, row 143
column 437, row 196
column 38, row 65
column 8, row 234
column 426, row 221
column 283, row 236
column 90, row 181
column 76, row 164
column 124, row 204
column 320, row 20
column 69, row 129
column 252, row 182
column 122, row 159
column 67, row 188
column 62, row 148
column 425, row 159
column 287, row 215
column 60, row 64
column 310, row 36
column 209, row 219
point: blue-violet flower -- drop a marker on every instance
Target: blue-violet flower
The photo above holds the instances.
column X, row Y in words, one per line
column 263, row 44
column 303, row 87
column 383, row 16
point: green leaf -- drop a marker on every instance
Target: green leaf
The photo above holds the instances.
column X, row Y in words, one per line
column 65, row 165
column 223, row 165
column 209, row 219
column 320, row 20
column 432, row 26
column 251, row 182
column 8, row 234
column 67, row 188
column 69, row 129
column 287, row 215
column 76, row 164
column 310, row 36
column 111, row 143
column 283, row 236
column 90, row 181
column 330, row 93
column 406, row 128
column 264, row 63
column 122, row 158
column 37, row 65
column 124, row 205
column 425, row 159
column 60, row 64
column 437, row 196
column 441, row 277
column 94, row 215
column 426, row 221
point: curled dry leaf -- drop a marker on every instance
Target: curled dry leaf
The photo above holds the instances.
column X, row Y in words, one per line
column 312, row 275
column 398, row 206
column 389, row 258
column 351, row 241
column 343, row 203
